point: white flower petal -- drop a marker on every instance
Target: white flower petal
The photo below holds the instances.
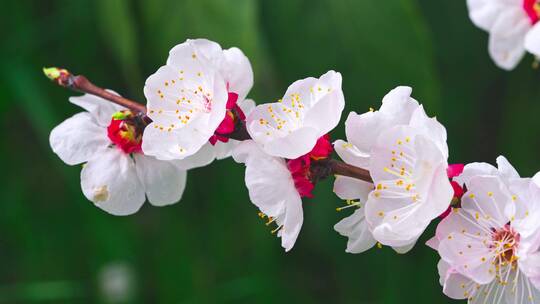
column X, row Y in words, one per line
column 493, row 293
column 224, row 150
column 101, row 109
column 523, row 290
column 397, row 109
column 469, row 256
column 506, row 39
column 430, row 127
column 267, row 178
column 163, row 181
column 295, row 144
column 506, row 170
column 310, row 108
column 433, row 243
column 399, row 105
column 110, row 181
column 474, row 169
column 232, row 64
column 517, row 289
column 325, row 108
column 78, row 139
column 237, row 71
column 205, row 156
column 271, row 188
column 484, row 13
column 362, row 130
column 292, row 223
column 202, row 49
column 432, row 177
column 247, row 105
column 406, row 248
column 530, row 266
column 455, row 285
column 349, row 188
column 350, row 154
column 488, row 201
column 463, row 222
column 532, row 40
column 355, row 228
column 411, row 189
column 526, row 199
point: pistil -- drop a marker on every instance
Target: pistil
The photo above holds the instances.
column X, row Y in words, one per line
column 505, row 242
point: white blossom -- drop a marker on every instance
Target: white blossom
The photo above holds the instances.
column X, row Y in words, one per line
column 189, row 97
column 115, row 181
column 490, row 247
column 309, row 109
column 406, row 154
column 512, row 26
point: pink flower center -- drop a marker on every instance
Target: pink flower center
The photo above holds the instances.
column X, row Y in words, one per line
column 532, row 8
column 505, row 242
column 125, row 132
column 300, row 168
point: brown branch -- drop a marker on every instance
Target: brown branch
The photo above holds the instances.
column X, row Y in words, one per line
column 81, row 84
column 340, row 168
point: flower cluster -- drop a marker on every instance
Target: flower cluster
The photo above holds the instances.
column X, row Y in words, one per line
column 394, row 174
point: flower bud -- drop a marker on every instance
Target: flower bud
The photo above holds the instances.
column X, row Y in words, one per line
column 60, row 76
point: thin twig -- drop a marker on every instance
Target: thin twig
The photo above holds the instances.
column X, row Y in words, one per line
column 80, row 83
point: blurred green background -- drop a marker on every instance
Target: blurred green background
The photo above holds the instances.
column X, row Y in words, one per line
column 55, row 247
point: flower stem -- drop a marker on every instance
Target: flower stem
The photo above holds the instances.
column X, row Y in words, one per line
column 340, row 168
column 80, row 83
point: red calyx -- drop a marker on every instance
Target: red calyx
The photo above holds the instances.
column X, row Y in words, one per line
column 233, row 114
column 458, row 190
column 125, row 135
column 531, row 8
column 300, row 168
column 454, row 170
